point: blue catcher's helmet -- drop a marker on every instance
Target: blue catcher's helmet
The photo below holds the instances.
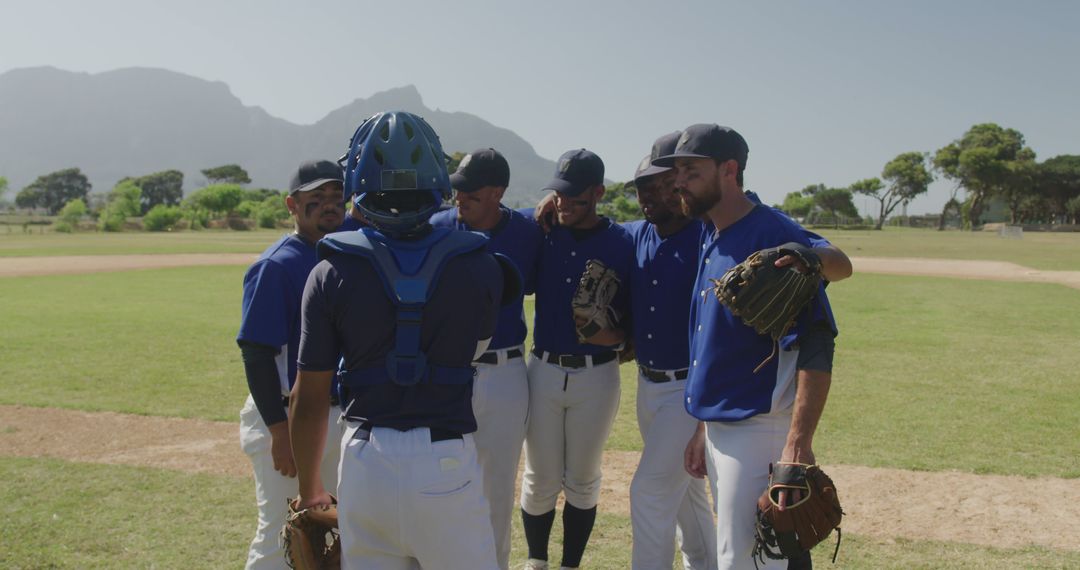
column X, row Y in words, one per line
column 396, row 170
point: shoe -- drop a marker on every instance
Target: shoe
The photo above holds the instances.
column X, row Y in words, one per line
column 534, row 564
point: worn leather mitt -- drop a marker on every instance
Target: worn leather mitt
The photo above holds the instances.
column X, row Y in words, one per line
column 311, row 537
column 592, row 299
column 805, row 521
column 766, row 297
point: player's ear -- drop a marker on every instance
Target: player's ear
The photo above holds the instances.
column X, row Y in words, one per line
column 290, row 203
column 598, row 192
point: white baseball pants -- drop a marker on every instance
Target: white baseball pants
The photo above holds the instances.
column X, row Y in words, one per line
column 406, row 503
column 664, row 499
column 737, row 458
column 272, row 489
column 501, row 405
column 571, row 411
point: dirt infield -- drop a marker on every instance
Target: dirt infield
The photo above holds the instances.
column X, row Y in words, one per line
column 990, row 510
column 68, row 264
column 993, row 270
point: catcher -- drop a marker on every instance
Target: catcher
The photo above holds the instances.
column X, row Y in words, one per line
column 758, row 390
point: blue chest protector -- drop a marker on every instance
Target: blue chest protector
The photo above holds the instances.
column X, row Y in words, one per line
column 409, row 271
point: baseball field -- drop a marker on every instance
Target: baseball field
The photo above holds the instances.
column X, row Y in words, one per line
column 951, row 429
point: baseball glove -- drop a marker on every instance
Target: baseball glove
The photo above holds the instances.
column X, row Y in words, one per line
column 311, row 537
column 766, row 297
column 592, row 299
column 803, row 523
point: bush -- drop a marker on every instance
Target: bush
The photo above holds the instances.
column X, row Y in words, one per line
column 63, row 227
column 271, row 211
column 161, row 218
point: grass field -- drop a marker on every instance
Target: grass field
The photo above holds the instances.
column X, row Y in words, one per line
column 931, row 374
column 1051, row 251
column 1039, row 250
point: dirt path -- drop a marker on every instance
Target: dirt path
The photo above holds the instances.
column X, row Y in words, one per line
column 991, row 510
column 67, row 264
column 965, row 269
column 993, row 270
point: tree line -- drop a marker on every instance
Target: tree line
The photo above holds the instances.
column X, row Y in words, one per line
column 157, row 198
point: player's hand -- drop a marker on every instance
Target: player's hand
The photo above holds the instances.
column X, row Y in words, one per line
column 317, row 498
column 694, row 456
column 545, row 212
column 281, row 449
column 792, row 260
column 794, row 454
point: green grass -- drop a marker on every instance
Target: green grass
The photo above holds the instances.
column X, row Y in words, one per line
column 75, row 515
column 936, row 374
column 1040, row 250
column 931, row 374
column 149, row 342
column 203, row 241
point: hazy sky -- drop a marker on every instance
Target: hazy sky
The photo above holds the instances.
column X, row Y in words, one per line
column 824, row 91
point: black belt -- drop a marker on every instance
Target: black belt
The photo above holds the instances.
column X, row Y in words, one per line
column 660, row 376
column 576, row 360
column 333, row 400
column 492, row 356
column 363, row 433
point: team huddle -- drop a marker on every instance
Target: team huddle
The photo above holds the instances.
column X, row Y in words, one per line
column 384, row 350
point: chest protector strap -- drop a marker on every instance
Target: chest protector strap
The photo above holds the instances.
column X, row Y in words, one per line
column 409, row 271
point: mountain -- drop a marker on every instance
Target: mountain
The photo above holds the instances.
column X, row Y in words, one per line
column 135, row 121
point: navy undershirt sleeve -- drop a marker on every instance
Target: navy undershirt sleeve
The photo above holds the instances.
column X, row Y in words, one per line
column 262, row 380
column 816, row 348
column 319, row 350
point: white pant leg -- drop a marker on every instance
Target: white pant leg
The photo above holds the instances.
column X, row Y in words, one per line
column 662, row 494
column 407, row 503
column 272, row 489
column 544, row 441
column 738, row 456
column 501, row 406
column 592, row 403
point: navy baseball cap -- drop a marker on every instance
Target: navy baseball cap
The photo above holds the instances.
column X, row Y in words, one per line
column 576, row 171
column 663, row 146
column 480, row 168
column 314, row 173
column 708, row 141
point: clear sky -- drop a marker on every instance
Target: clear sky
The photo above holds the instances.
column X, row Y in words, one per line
column 824, row 91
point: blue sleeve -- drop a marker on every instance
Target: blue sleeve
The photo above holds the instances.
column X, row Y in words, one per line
column 319, row 350
column 265, row 304
column 815, row 239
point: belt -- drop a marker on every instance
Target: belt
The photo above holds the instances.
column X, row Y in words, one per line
column 492, row 356
column 333, row 400
column 363, row 433
column 575, row 360
column 660, row 376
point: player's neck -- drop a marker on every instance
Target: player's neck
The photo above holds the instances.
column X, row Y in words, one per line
column 672, row 226
column 489, row 221
column 587, row 223
column 731, row 208
column 310, row 236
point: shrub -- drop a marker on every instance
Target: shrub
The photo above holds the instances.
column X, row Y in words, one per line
column 161, row 218
column 63, row 227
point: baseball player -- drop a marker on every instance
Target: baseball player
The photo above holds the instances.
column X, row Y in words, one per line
column 269, row 339
column 501, row 390
column 664, row 500
column 573, row 386
column 409, row 307
column 748, row 419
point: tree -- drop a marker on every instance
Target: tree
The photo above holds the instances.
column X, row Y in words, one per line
column 454, row 162
column 70, row 215
column 226, row 174
column 837, row 202
column 983, row 162
column 124, row 201
column 161, row 217
column 619, row 203
column 3, row 186
column 905, row 177
column 797, row 205
column 1057, row 180
column 55, row 189
column 165, row 187
column 218, row 198
column 1072, row 207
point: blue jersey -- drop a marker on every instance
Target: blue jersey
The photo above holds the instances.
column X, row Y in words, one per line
column 562, row 261
column 270, row 310
column 722, row 385
column 661, row 283
column 519, row 238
